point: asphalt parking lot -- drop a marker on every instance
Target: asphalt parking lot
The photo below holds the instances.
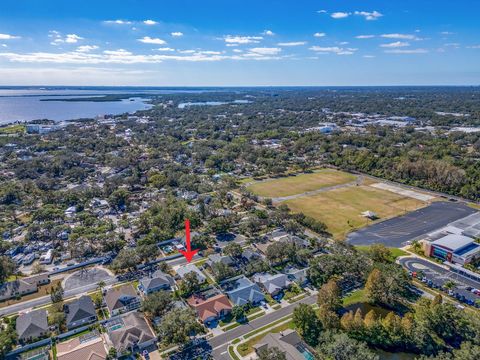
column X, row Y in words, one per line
column 86, row 277
column 397, row 231
column 437, row 276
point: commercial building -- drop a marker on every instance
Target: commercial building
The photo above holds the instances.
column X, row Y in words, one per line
column 454, row 248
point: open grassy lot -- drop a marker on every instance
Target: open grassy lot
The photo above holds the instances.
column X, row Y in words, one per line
column 12, row 129
column 299, row 184
column 340, row 209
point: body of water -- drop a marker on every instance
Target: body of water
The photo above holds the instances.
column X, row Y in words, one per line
column 24, row 103
column 27, row 108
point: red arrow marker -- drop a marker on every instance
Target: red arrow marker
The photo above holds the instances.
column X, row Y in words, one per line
column 189, row 253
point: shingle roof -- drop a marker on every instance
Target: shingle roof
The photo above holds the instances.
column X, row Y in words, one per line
column 80, row 309
column 157, row 279
column 135, row 331
column 207, row 308
column 32, row 324
column 185, row 269
column 74, row 349
column 272, row 283
column 243, row 291
column 115, row 297
column 289, row 342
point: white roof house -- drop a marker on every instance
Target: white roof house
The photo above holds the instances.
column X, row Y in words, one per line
column 188, row 268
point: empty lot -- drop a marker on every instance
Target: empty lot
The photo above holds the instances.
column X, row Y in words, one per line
column 340, row 209
column 298, row 184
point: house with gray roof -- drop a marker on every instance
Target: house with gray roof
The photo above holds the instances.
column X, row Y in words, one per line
column 21, row 287
column 32, row 325
column 80, row 312
column 288, row 342
column 242, row 291
column 299, row 276
column 185, row 269
column 155, row 282
column 131, row 333
column 273, row 284
column 217, row 258
column 122, row 299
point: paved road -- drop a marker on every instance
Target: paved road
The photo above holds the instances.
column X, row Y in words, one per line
column 220, row 343
column 395, row 232
column 439, row 275
column 25, row 305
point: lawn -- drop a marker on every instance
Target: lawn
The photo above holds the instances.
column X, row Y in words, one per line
column 298, row 184
column 341, row 209
column 394, row 251
column 355, row 297
column 12, row 129
column 247, row 347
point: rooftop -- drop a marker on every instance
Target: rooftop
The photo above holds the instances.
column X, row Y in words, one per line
column 453, row 242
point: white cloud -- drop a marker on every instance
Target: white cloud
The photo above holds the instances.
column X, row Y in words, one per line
column 292, row 43
column 176, row 34
column 265, row 50
column 118, row 22
column 399, row 36
column 447, row 33
column 149, row 40
column 407, row 51
column 119, row 52
column 322, row 11
column 473, row 47
column 237, row 50
column 319, row 34
column 3, row 45
column 59, row 39
column 374, row 15
column 8, row 37
column 231, row 39
column 122, row 56
column 72, row 38
column 150, row 22
column 165, row 49
column 365, row 36
column 333, row 50
column 87, row 48
column 395, row 44
column 268, row 33
column 340, row 15
column 368, row 56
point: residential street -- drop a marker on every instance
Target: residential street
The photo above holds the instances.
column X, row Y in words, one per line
column 220, row 343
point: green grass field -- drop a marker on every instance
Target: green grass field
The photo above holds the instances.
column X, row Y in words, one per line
column 12, row 129
column 357, row 296
column 340, row 209
column 299, row 184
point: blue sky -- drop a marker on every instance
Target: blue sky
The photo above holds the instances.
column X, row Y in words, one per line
column 239, row 43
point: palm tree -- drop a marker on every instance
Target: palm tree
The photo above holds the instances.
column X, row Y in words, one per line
column 101, row 285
